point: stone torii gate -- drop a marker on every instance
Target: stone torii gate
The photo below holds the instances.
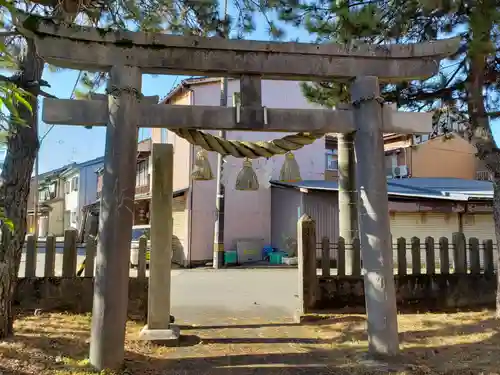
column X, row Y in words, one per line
column 128, row 55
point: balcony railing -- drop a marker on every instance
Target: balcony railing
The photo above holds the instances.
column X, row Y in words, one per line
column 484, row 176
column 143, row 189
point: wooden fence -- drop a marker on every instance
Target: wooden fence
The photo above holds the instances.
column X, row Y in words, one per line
column 429, row 256
column 434, row 274
column 68, row 252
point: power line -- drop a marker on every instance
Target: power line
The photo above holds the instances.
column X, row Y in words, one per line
column 173, row 84
column 71, row 97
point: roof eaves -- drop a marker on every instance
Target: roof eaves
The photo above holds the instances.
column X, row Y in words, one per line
column 186, row 85
column 98, row 160
column 430, row 194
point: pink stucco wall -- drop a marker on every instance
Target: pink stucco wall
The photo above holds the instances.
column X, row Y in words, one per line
column 248, row 213
column 182, row 148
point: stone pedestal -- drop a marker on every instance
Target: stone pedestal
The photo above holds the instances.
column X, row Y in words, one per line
column 169, row 336
column 159, row 328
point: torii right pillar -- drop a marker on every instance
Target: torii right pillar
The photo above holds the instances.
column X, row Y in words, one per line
column 374, row 222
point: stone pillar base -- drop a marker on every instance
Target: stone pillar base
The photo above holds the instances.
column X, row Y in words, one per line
column 169, row 336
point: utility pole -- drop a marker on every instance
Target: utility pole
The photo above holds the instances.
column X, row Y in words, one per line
column 218, row 260
column 348, row 196
column 220, row 201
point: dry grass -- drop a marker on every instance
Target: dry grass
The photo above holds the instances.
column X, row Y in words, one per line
column 460, row 343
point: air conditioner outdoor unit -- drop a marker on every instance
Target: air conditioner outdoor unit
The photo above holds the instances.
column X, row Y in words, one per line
column 400, row 171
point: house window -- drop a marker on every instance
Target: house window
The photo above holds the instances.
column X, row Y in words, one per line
column 236, row 99
column 142, row 176
column 73, row 217
column 99, row 183
column 74, row 184
column 391, row 162
column 420, row 138
column 52, row 190
column 67, row 187
column 332, row 163
column 42, row 195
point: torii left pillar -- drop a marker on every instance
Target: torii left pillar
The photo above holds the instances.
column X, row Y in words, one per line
column 109, row 312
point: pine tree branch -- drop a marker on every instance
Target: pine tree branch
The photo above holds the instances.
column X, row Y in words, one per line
column 46, row 94
column 420, row 95
column 6, row 34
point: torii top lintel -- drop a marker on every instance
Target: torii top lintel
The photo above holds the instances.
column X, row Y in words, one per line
column 95, row 49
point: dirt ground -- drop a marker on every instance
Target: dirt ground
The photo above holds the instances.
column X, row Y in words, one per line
column 459, row 343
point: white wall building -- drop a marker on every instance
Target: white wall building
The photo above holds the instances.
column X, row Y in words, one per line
column 247, row 213
column 80, row 189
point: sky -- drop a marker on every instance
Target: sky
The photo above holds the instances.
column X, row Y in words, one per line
column 65, row 144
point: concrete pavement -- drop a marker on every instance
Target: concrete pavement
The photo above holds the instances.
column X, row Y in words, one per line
column 211, row 297
column 222, row 297
column 219, row 297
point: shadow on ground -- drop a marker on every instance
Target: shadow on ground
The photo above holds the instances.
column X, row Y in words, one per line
column 466, row 343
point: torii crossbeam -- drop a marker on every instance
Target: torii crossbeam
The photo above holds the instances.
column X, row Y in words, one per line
column 128, row 55
column 156, row 53
column 96, row 113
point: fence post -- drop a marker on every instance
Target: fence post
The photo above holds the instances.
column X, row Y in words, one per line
column 325, row 256
column 341, row 257
column 356, row 257
column 430, row 256
column 141, row 261
column 475, row 264
column 30, row 266
column 90, row 252
column 69, row 253
column 444, row 256
column 50, row 256
column 459, row 252
column 489, row 263
column 416, row 264
column 402, row 265
column 306, row 230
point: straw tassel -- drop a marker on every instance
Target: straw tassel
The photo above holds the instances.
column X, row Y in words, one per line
column 202, row 170
column 290, row 171
column 247, row 179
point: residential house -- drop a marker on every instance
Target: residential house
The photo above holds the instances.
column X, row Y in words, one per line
column 142, row 183
column 80, row 187
column 247, row 213
column 51, row 203
column 418, row 207
column 438, row 155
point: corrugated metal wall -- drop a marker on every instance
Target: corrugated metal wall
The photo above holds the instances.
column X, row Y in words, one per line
column 285, row 211
column 482, row 227
column 422, row 225
column 323, row 208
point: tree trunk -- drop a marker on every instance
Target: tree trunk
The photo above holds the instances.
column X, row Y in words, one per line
column 496, row 218
column 22, row 149
column 481, row 25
